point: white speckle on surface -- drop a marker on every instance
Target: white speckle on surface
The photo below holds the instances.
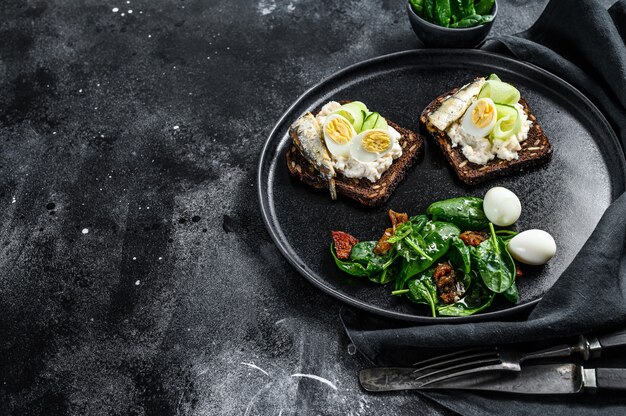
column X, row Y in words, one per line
column 176, row 127
column 54, row 132
column 85, row 230
column 80, row 90
column 115, row 10
column 130, row 12
column 160, row 258
column 122, row 14
column 291, row 7
column 137, row 283
column 134, row 258
column 314, row 377
column 256, row 367
column 266, row 7
column 149, row 36
column 13, row 200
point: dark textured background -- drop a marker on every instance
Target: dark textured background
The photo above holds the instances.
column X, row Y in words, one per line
column 135, row 272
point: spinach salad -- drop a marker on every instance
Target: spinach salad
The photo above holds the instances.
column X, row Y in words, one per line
column 454, row 13
column 450, row 259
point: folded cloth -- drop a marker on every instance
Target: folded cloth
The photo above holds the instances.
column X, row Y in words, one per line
column 583, row 43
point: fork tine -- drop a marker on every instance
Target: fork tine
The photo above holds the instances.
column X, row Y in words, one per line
column 453, row 370
column 452, row 355
column 479, row 369
column 467, row 358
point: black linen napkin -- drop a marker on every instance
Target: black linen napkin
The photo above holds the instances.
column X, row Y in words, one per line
column 583, row 43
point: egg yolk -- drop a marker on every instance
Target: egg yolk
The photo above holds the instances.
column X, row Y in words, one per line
column 483, row 113
column 339, row 130
column 376, row 142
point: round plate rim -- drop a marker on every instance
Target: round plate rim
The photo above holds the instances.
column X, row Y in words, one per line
column 287, row 254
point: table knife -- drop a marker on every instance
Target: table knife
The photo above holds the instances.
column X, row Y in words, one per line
column 534, row 379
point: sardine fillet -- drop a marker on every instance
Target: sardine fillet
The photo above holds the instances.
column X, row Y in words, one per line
column 453, row 107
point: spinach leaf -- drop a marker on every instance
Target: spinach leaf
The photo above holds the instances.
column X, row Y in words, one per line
column 423, row 290
column 475, row 300
column 460, row 255
column 429, row 10
column 412, row 226
column 464, row 212
column 473, row 20
column 467, row 8
column 355, row 269
column 484, row 6
column 442, row 13
column 506, row 235
column 363, row 252
column 455, row 8
column 364, row 262
column 511, row 294
column 433, row 241
column 418, row 6
column 494, row 263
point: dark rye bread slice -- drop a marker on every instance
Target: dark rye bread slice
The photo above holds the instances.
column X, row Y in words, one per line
column 362, row 190
column 536, row 149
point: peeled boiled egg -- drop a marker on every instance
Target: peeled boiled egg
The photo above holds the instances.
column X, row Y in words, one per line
column 338, row 132
column 371, row 145
column 532, row 247
column 502, row 207
column 480, row 117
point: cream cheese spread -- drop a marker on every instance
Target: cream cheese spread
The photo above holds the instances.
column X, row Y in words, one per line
column 352, row 168
column 481, row 150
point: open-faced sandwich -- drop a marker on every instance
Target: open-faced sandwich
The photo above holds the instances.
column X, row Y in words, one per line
column 485, row 129
column 351, row 151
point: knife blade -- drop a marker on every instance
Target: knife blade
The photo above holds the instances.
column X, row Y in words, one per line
column 536, row 379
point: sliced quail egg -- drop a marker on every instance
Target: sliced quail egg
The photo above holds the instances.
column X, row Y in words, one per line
column 480, row 117
column 502, row 207
column 534, row 247
column 338, row 132
column 371, row 145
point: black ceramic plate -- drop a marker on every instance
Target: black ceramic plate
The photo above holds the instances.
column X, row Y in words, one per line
column 566, row 197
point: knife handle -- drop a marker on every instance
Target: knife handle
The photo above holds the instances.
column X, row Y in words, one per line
column 611, row 378
column 613, row 339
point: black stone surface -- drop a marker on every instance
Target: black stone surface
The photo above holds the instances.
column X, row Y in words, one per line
column 135, row 272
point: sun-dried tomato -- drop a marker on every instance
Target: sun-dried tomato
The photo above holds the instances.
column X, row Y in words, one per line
column 343, row 244
column 473, row 238
column 447, row 286
column 383, row 246
column 397, row 218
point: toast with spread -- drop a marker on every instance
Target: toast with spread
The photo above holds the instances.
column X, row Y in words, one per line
column 351, row 151
column 485, row 129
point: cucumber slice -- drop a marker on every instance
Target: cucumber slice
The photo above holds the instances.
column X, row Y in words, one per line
column 374, row 121
column 504, row 110
column 507, row 125
column 354, row 112
column 500, row 92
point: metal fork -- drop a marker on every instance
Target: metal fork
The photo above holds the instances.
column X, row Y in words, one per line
column 479, row 360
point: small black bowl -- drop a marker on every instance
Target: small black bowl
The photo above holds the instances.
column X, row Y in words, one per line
column 436, row 36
